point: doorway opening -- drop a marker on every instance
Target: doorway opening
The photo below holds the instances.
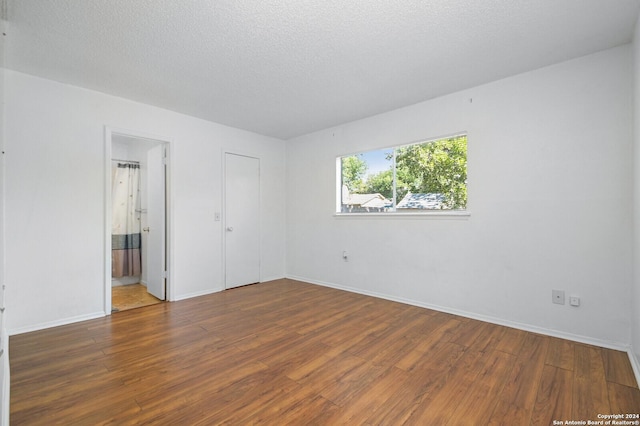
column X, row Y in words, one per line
column 137, row 221
column 130, row 296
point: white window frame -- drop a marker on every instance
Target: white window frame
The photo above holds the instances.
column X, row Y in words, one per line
column 427, row 213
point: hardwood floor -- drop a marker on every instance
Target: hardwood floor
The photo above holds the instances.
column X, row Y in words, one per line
column 124, row 297
column 287, row 352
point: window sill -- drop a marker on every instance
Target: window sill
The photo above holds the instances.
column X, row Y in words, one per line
column 449, row 214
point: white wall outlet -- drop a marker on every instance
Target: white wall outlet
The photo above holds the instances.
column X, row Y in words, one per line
column 216, row 216
column 574, row 301
column 557, row 296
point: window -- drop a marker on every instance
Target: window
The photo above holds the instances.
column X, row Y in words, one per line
column 425, row 176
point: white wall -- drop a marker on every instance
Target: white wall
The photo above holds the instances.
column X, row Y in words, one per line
column 55, row 177
column 550, row 175
column 635, row 311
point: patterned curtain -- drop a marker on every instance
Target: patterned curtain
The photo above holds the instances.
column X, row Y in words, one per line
column 125, row 231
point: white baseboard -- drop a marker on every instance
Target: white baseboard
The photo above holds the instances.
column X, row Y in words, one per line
column 196, row 294
column 274, row 278
column 116, row 282
column 634, row 364
column 493, row 320
column 56, row 323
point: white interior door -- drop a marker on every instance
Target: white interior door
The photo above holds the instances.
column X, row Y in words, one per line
column 155, row 250
column 242, row 220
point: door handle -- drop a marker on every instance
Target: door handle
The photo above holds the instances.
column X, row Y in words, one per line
column 229, row 228
column 145, row 229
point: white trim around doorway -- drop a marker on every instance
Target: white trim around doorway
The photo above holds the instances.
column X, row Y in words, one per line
column 168, row 142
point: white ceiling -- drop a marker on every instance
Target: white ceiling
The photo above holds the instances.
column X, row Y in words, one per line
column 289, row 67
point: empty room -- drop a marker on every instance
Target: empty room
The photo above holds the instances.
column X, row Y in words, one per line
column 320, row 212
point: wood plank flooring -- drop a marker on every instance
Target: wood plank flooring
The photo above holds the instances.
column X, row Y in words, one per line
column 287, row 352
column 124, row 297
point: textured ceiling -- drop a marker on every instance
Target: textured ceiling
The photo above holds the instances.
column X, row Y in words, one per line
column 285, row 68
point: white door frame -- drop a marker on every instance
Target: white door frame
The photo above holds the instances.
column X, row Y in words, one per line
column 108, row 135
column 224, row 218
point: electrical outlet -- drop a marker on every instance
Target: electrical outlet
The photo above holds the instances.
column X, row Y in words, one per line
column 574, row 301
column 557, row 296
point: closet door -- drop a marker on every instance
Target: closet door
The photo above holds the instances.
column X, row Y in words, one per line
column 242, row 220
